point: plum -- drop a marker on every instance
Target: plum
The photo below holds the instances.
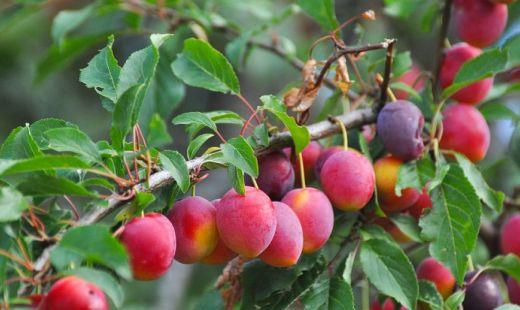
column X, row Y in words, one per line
column 400, row 124
column 513, row 288
column 412, row 79
column 324, row 155
column 424, row 202
column 509, row 236
column 453, row 60
column 480, row 22
column 482, row 293
column 276, row 174
column 310, row 155
column 432, row 270
column 74, row 293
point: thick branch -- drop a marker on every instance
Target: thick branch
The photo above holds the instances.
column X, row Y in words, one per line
column 163, row 178
column 386, row 77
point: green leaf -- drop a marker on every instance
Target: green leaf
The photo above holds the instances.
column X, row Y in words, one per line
column 140, row 67
column 236, row 178
column 333, row 293
column 429, row 295
column 40, row 163
column 261, row 135
column 175, row 164
column 402, row 9
column 217, row 117
column 513, row 46
column 408, row 225
column 402, row 63
column 322, row 11
column 39, row 128
column 481, row 67
column 46, row 185
column 455, row 300
column 104, row 281
column 495, row 111
column 73, row 140
column 12, row 204
column 300, row 134
column 509, row 264
column 139, row 204
column 453, row 224
column 68, row 20
column 102, row 72
column 237, row 152
column 94, row 244
column 123, row 117
column 194, row 118
column 492, row 198
column 200, row 65
column 197, row 143
column 415, row 174
column 20, row 144
column 158, row 132
column 390, row 271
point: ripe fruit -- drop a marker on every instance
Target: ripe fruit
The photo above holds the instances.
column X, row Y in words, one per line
column 412, row 79
column 513, row 288
column 386, row 171
column 276, row 175
column 400, row 124
column 315, row 213
column 150, row 243
column 246, row 223
column 310, row 155
column 509, row 236
column 504, row 1
column 74, row 293
column 432, row 270
column 480, row 22
column 424, row 202
column 287, row 244
column 220, row 255
column 482, row 293
column 194, row 221
column 324, row 155
column 388, row 304
column 453, row 60
column 347, row 178
column 465, row 131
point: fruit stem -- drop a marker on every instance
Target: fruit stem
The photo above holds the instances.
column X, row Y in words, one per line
column 254, row 182
column 343, row 133
column 193, row 190
column 365, row 293
column 302, row 171
column 250, row 107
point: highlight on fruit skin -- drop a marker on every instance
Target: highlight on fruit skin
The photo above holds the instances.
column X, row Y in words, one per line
column 287, row 244
column 453, row 60
column 348, row 180
column 195, row 224
column 315, row 213
column 71, row 293
column 465, row 131
column 400, row 125
column 386, row 172
column 479, row 22
column 432, row 270
column 246, row 223
column 151, row 244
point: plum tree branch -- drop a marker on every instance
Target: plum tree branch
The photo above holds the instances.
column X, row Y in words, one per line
column 164, row 178
column 443, row 33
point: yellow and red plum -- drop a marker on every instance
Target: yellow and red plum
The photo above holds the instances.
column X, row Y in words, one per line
column 150, row 242
column 400, row 124
column 465, row 131
column 424, row 202
column 348, row 179
column 195, row 224
column 287, row 244
column 386, row 171
column 246, row 223
column 453, row 60
column 315, row 213
column 72, row 293
column 432, row 270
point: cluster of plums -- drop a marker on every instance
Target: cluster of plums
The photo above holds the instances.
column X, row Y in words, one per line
column 483, row 290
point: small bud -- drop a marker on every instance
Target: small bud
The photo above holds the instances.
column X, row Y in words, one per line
column 369, row 15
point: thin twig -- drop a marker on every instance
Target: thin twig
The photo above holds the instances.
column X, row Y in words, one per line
column 443, row 33
column 386, row 77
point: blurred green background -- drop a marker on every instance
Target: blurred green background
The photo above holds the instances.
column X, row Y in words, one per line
column 34, row 87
